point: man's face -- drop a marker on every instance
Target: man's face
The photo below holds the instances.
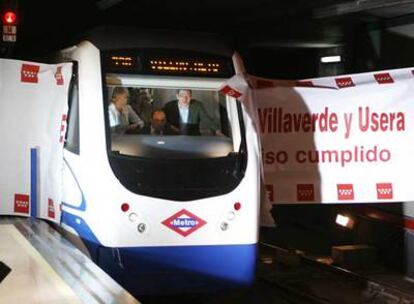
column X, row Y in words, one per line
column 158, row 120
column 184, row 97
column 145, row 97
column 120, row 100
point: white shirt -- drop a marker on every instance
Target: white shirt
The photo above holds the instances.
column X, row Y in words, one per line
column 119, row 121
column 183, row 114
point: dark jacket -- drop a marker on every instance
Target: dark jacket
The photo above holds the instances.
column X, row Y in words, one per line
column 196, row 115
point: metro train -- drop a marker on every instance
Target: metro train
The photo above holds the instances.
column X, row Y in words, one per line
column 160, row 213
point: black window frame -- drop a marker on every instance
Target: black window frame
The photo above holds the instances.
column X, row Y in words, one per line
column 72, row 144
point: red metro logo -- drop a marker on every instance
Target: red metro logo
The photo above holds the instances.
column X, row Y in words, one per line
column 184, row 222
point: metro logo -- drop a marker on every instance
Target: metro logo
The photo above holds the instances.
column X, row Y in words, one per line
column 29, row 73
column 305, row 192
column 59, row 76
column 382, row 78
column 227, row 90
column 184, row 222
column 345, row 192
column 384, row 191
column 21, row 203
column 344, row 82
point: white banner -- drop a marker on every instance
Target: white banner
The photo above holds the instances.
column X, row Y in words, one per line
column 337, row 139
column 33, row 106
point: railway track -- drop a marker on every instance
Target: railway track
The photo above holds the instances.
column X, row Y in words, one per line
column 308, row 281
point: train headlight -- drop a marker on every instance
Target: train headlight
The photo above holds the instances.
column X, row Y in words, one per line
column 133, row 217
column 231, row 215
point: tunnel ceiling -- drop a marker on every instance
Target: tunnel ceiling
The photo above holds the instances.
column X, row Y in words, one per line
column 48, row 24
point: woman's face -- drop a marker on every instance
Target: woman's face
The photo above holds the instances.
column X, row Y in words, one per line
column 120, row 100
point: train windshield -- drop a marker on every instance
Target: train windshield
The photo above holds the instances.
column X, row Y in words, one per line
column 167, row 121
column 170, row 133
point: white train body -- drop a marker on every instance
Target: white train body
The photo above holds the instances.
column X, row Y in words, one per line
column 124, row 230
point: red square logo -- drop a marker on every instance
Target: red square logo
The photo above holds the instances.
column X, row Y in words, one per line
column 21, row 203
column 29, row 73
column 50, row 208
column 270, row 193
column 305, row 192
column 345, row 192
column 384, row 191
column 184, row 222
column 59, row 76
column 382, row 78
column 344, row 82
column 227, row 90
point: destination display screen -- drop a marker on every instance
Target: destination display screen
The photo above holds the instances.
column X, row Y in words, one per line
column 168, row 63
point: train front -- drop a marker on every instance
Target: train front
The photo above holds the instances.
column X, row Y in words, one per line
column 175, row 205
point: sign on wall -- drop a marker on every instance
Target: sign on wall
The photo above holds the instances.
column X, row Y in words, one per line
column 336, row 139
column 33, row 106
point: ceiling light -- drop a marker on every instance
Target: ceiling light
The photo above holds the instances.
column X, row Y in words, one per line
column 330, row 59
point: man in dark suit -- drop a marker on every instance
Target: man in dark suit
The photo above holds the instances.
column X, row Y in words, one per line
column 185, row 115
column 158, row 125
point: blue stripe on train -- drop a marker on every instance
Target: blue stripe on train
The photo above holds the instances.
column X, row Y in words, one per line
column 172, row 269
column 80, row 226
column 33, row 182
column 82, row 205
column 163, row 270
column 83, row 231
